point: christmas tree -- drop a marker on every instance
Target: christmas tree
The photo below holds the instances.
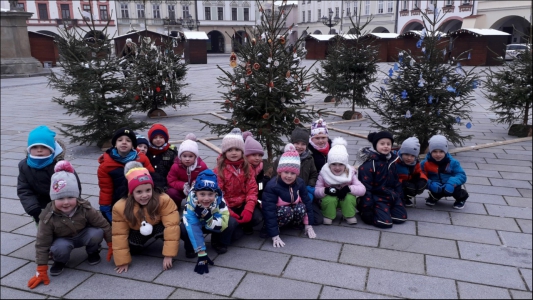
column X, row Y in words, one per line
column 509, row 90
column 158, row 75
column 421, row 95
column 265, row 92
column 350, row 68
column 91, row 85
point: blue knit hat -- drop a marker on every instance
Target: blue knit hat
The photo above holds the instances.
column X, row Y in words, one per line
column 43, row 136
column 142, row 140
column 207, row 181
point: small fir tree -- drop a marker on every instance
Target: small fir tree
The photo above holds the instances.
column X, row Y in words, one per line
column 265, row 92
column 421, row 95
column 350, row 68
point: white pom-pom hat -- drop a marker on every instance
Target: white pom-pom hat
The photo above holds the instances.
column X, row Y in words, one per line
column 338, row 152
column 189, row 145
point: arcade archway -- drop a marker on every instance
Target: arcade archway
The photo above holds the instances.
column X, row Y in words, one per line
column 215, row 44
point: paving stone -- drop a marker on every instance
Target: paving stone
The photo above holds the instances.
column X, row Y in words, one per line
column 477, row 291
column 409, row 227
column 188, row 294
column 321, row 272
column 486, row 198
column 527, row 274
column 306, row 247
column 519, row 201
column 12, row 242
column 267, row 287
column 447, row 205
column 511, row 162
column 506, row 168
column 77, row 256
column 517, row 240
column 461, row 233
column 116, row 287
column 495, row 190
column 508, row 211
column 495, row 254
column 520, row 294
column 219, row 280
column 59, row 285
column 389, row 259
column 250, row 241
column 9, row 264
column 476, row 272
column 513, row 156
column 525, row 192
column 9, row 222
column 349, row 235
column 9, row 293
column 254, row 260
column 434, row 216
column 525, row 225
column 329, row 292
column 476, row 154
column 518, row 152
column 487, row 222
column 513, row 176
column 418, row 244
column 482, row 173
column 478, row 180
column 8, row 180
column 9, row 192
column 511, row 183
column 407, row 285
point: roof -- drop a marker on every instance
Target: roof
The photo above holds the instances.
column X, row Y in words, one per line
column 418, row 32
column 137, row 32
column 195, row 35
column 322, row 37
column 480, row 31
column 43, row 34
column 384, row 35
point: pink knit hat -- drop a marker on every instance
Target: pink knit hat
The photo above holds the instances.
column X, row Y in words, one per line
column 233, row 140
column 251, row 146
column 189, row 145
column 290, row 160
column 319, row 128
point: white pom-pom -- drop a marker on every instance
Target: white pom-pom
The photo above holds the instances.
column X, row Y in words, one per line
column 339, row 141
column 191, row 136
column 64, row 165
column 132, row 165
column 236, row 131
column 289, row 148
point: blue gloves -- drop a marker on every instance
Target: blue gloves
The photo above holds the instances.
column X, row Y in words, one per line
column 106, row 211
column 435, row 187
column 202, row 264
column 448, row 188
column 311, row 192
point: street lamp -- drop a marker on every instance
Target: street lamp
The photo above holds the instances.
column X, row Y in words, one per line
column 190, row 23
column 330, row 21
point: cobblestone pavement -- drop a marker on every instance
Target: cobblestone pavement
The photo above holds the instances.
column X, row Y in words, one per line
column 482, row 251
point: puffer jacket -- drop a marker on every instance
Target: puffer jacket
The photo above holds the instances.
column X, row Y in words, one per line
column 162, row 164
column 408, row 173
column 448, row 170
column 111, row 180
column 356, row 187
column 308, row 170
column 237, row 189
column 319, row 158
column 177, row 176
column 167, row 214
column 55, row 224
column 277, row 193
column 378, row 175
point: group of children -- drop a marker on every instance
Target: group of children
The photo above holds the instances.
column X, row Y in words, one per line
column 150, row 190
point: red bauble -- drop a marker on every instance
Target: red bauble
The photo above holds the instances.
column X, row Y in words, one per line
column 158, row 89
column 296, row 121
column 266, row 115
column 137, row 97
column 256, row 66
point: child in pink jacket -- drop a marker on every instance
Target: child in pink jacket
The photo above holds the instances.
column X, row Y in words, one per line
column 338, row 185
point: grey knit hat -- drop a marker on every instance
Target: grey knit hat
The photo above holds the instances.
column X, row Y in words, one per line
column 64, row 183
column 438, row 142
column 299, row 135
column 410, row 146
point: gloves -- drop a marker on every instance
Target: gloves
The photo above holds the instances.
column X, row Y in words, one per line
column 41, row 276
column 234, row 215
column 331, row 191
column 204, row 213
column 202, row 264
column 310, row 232
column 106, row 211
column 341, row 194
column 435, row 187
column 409, row 188
column 186, row 189
column 448, row 188
column 246, row 216
column 277, row 242
column 109, row 251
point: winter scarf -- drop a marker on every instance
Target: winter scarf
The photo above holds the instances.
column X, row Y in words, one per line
column 158, row 150
column 123, row 160
column 332, row 179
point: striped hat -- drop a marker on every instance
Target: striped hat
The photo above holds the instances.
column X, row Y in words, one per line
column 289, row 161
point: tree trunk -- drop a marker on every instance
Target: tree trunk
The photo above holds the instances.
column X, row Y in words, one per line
column 526, row 114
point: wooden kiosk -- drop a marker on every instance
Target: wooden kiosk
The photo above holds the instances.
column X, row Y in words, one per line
column 43, row 48
column 486, row 46
column 195, row 46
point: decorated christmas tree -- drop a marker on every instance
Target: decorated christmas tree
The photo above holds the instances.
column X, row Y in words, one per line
column 350, row 68
column 422, row 95
column 266, row 90
column 158, row 74
column 92, row 86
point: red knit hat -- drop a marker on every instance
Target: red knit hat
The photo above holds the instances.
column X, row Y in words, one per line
column 158, row 129
column 136, row 174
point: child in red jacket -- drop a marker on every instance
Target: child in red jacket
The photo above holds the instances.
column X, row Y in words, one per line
column 186, row 167
column 237, row 181
column 413, row 180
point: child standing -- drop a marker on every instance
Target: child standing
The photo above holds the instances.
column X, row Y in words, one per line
column 36, row 170
column 142, row 144
column 413, row 180
column 206, row 213
column 111, row 180
column 253, row 151
column 68, row 222
column 161, row 154
column 144, row 214
column 319, row 143
column 338, row 185
column 285, row 199
column 237, row 181
column 381, row 205
column 445, row 174
column 185, row 169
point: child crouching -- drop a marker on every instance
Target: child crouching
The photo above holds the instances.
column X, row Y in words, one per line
column 413, row 180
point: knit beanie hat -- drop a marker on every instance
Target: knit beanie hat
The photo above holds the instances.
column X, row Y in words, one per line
column 142, row 140
column 42, row 136
column 127, row 132
column 251, row 146
column 289, row 161
column 189, row 145
column 319, row 128
column 233, row 140
column 136, row 174
column 299, row 135
column 338, row 152
column 64, row 182
column 158, row 129
column 410, row 146
column 207, row 181
column 374, row 137
column 438, row 142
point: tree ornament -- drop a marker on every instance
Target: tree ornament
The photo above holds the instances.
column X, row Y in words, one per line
column 270, row 41
column 256, row 66
column 137, row 97
column 288, row 74
column 254, row 41
column 233, row 60
column 296, row 121
column 468, row 125
column 419, row 43
column 469, row 56
column 450, row 89
column 395, row 68
column 158, row 89
column 444, row 79
column 266, row 115
column 269, row 59
column 458, row 120
column 430, row 99
column 474, row 84
column 248, row 71
column 282, row 40
column 404, row 94
column 408, row 114
column 391, row 72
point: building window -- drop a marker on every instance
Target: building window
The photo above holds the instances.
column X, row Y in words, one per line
column 380, row 6
column 234, row 14
column 405, row 6
column 87, row 8
column 246, row 14
column 124, row 11
column 156, row 11
column 171, row 12
column 303, row 16
column 103, row 12
column 367, row 7
column 347, row 11
column 337, row 12
column 140, row 11
column 220, row 13
column 390, row 6
column 207, row 13
column 185, row 11
column 319, row 14
column 43, row 11
column 466, row 2
column 65, row 11
column 448, row 2
column 20, row 6
column 308, row 16
column 416, row 4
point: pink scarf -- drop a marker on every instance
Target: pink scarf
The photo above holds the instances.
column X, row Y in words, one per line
column 257, row 169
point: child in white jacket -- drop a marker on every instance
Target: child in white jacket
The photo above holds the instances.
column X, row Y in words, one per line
column 338, row 185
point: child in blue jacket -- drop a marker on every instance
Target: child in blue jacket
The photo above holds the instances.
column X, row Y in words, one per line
column 445, row 175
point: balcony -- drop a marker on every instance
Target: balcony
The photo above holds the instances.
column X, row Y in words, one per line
column 67, row 22
column 415, row 11
column 404, row 12
column 448, row 9
column 465, row 6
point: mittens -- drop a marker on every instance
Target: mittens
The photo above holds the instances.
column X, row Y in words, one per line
column 41, row 276
column 277, row 242
column 448, row 188
column 435, row 187
column 202, row 212
column 202, row 266
column 106, row 211
column 186, row 189
column 109, row 251
column 310, row 232
column 331, row 191
column 341, row 194
column 234, row 215
column 246, row 216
